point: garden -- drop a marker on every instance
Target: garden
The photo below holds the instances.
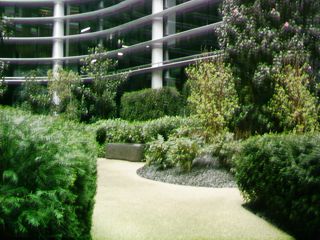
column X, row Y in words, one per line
column 248, row 119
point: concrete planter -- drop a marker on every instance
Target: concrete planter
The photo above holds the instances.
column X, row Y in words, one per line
column 125, row 151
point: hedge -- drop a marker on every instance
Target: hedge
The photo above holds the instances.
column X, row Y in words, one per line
column 150, row 104
column 282, row 172
column 48, row 177
column 122, row 131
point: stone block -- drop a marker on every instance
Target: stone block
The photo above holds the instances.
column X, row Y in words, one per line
column 125, row 151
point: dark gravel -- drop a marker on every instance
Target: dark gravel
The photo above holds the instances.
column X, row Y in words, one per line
column 214, row 177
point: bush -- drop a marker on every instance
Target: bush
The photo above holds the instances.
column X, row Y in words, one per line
column 224, row 148
column 213, row 99
column 295, row 107
column 150, row 104
column 182, row 152
column 156, row 154
column 282, row 172
column 121, row 131
column 33, row 96
column 48, row 178
column 178, row 152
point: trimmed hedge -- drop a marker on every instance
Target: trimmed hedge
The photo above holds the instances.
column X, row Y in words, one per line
column 150, row 104
column 48, row 177
column 282, row 172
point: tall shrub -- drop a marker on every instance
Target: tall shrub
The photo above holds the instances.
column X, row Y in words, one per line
column 259, row 38
column 213, row 97
column 292, row 103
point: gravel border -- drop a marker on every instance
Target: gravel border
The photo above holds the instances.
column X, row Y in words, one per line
column 214, row 177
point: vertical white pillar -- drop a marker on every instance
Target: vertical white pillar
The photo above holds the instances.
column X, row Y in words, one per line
column 67, row 42
column 58, row 32
column 101, row 6
column 157, row 49
column 57, row 48
column 170, row 29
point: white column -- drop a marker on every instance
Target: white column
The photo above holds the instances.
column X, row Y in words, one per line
column 157, row 49
column 101, row 6
column 170, row 29
column 58, row 31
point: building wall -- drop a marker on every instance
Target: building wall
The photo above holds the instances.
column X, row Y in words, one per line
column 24, row 42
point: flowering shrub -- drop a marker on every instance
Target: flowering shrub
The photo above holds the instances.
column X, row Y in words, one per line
column 261, row 37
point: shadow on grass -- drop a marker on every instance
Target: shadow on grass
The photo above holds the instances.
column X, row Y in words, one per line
column 295, row 231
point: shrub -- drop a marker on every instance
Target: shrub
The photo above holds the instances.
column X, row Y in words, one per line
column 282, row 172
column 182, row 152
column 224, row 148
column 164, row 126
column 48, row 178
column 156, row 154
column 122, row 131
column 260, row 37
column 150, row 104
column 292, row 103
column 33, row 96
column 178, row 152
column 213, row 97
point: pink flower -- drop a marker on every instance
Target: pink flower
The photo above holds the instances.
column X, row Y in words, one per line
column 235, row 12
column 286, row 25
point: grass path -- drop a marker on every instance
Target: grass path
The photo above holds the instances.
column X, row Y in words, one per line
column 129, row 207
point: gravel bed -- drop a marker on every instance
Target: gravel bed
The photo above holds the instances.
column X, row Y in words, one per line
column 214, row 177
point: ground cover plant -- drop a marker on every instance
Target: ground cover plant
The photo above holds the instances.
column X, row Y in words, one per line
column 281, row 173
column 48, row 177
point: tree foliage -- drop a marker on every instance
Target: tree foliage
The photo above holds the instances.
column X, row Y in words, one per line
column 105, row 86
column 259, row 38
column 34, row 96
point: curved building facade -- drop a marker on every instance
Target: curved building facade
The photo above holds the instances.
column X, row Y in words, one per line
column 154, row 39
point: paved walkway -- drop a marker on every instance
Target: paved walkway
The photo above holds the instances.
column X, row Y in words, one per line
column 129, row 207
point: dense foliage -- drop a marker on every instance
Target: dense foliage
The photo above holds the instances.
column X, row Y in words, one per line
column 33, row 96
column 4, row 31
column 260, row 37
column 48, row 177
column 121, row 131
column 281, row 172
column 292, row 103
column 99, row 100
column 150, row 104
column 213, row 97
column 175, row 151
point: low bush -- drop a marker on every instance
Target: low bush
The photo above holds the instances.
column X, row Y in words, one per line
column 224, row 148
column 156, row 154
column 182, row 152
column 150, row 104
column 282, row 172
column 178, row 152
column 48, row 177
column 121, row 131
